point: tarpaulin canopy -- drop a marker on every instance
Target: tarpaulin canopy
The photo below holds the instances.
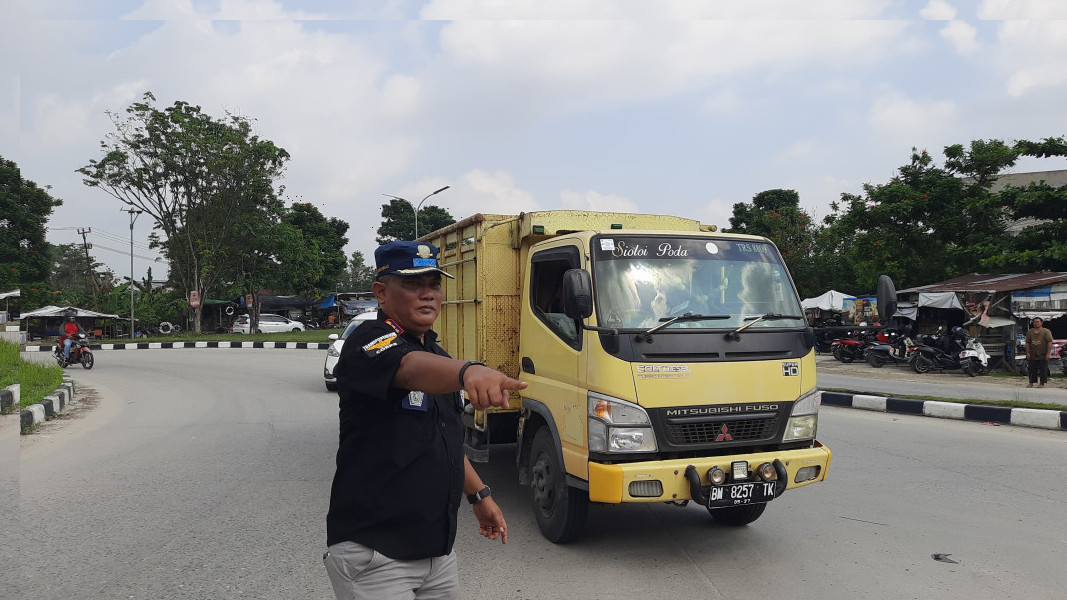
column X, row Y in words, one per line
column 61, row 311
column 1044, row 315
column 939, row 300
column 329, row 302
column 832, row 300
column 5, row 295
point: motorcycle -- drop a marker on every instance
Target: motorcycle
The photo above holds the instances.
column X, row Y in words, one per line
column 891, row 349
column 955, row 351
column 847, row 350
column 79, row 353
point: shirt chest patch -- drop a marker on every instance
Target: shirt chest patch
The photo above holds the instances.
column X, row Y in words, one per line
column 416, row 401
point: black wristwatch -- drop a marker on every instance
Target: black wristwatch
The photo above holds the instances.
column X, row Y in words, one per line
column 480, row 495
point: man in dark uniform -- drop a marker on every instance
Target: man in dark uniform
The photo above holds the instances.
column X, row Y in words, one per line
column 401, row 472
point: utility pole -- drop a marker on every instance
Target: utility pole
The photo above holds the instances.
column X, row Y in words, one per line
column 89, row 263
column 134, row 213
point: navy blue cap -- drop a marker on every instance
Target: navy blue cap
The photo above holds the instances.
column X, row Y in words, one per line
column 407, row 258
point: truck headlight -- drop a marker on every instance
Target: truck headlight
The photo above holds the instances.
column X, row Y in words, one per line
column 618, row 426
column 804, row 420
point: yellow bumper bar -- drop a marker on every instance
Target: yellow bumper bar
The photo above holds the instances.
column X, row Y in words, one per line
column 611, row 483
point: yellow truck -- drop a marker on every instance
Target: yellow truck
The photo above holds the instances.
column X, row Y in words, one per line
column 666, row 362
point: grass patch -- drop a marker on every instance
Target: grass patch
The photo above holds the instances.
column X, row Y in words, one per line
column 35, row 380
column 1004, row 403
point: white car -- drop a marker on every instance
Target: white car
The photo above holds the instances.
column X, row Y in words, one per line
column 268, row 323
column 338, row 342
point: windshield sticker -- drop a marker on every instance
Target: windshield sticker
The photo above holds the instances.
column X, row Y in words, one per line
column 663, row 372
column 746, row 247
column 712, row 248
column 607, row 245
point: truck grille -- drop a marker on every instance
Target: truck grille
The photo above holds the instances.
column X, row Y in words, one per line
column 710, row 432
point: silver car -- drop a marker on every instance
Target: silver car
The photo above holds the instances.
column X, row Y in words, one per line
column 334, row 351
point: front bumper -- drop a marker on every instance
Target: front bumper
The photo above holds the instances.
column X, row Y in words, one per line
column 611, row 483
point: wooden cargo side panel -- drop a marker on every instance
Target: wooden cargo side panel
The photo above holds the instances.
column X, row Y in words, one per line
column 480, row 319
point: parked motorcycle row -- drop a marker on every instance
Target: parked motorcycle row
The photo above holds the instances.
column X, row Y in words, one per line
column 956, row 350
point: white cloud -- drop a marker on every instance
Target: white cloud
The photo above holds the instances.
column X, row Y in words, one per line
column 938, row 10
column 799, row 149
column 716, row 212
column 907, row 120
column 1034, row 53
column 725, row 102
column 481, row 191
column 644, row 10
column 961, row 36
column 228, row 10
column 591, row 200
column 997, row 10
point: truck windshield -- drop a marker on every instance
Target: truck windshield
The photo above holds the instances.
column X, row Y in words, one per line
column 641, row 282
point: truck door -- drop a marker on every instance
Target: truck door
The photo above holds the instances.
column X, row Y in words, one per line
column 551, row 349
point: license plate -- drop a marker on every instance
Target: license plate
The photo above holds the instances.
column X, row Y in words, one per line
column 735, row 494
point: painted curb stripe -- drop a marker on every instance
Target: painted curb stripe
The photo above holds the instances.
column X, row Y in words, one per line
column 180, row 345
column 909, row 406
column 993, row 414
column 837, row 399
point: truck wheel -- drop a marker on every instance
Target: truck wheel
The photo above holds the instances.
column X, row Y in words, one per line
column 560, row 509
column 736, row 516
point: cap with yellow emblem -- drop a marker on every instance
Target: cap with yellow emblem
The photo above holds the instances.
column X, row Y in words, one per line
column 407, row 258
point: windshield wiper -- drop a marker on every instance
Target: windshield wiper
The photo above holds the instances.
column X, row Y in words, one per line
column 686, row 317
column 735, row 335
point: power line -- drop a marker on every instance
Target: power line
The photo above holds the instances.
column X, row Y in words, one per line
column 127, row 253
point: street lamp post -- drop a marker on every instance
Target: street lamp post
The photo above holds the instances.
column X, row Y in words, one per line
column 419, row 207
column 134, row 213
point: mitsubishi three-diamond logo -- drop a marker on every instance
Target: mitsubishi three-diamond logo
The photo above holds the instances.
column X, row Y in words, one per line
column 724, row 435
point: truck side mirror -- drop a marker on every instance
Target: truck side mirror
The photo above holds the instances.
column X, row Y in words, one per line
column 577, row 294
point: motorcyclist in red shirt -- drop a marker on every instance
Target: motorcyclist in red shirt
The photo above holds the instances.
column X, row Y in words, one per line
column 71, row 329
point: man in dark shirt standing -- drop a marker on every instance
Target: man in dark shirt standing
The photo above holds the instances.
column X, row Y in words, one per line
column 401, row 472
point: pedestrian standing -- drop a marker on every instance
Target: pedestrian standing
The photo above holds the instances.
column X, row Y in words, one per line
column 401, row 472
column 1038, row 352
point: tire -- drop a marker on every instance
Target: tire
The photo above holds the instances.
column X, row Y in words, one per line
column 921, row 364
column 296, row 329
column 969, row 368
column 839, row 354
column 166, row 328
column 258, row 330
column 736, row 516
column 875, row 360
column 560, row 510
column 86, row 360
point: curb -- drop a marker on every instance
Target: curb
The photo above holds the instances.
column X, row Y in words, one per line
column 162, row 345
column 7, row 399
column 51, row 404
column 1023, row 417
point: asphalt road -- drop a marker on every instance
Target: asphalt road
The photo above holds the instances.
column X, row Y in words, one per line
column 206, row 474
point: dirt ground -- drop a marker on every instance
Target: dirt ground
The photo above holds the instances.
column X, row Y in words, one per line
column 826, row 363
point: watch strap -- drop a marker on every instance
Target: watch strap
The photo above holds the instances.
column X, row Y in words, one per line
column 480, row 495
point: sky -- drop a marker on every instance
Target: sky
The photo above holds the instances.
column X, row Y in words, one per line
column 680, row 107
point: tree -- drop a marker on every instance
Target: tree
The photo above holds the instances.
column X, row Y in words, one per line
column 358, row 277
column 776, row 215
column 925, row 225
column 1041, row 244
column 325, row 236
column 193, row 174
column 25, row 257
column 71, row 273
column 398, row 221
